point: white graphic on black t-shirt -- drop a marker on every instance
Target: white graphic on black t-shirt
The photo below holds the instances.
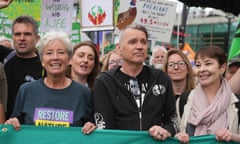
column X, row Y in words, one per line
column 99, row 121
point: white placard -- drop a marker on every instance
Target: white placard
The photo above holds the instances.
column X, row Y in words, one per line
column 96, row 15
column 56, row 15
column 157, row 16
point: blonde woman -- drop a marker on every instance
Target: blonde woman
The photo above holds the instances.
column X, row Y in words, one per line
column 111, row 60
column 179, row 69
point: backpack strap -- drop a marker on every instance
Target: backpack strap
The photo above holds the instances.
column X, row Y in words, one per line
column 238, row 106
column 182, row 101
column 8, row 57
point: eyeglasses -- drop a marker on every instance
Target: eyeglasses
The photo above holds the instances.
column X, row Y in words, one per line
column 118, row 62
column 180, row 64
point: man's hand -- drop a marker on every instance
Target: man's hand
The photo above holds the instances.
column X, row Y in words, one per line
column 159, row 133
column 5, row 3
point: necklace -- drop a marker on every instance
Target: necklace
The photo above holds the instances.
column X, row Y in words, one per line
column 61, row 84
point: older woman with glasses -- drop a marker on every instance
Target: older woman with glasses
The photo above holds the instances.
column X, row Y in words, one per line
column 179, row 69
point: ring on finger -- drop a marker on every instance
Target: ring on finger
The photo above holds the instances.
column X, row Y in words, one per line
column 160, row 134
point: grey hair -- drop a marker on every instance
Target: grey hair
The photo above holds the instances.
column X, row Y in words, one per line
column 53, row 35
column 157, row 48
column 135, row 27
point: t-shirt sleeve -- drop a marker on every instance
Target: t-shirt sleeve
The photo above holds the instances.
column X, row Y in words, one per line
column 4, row 51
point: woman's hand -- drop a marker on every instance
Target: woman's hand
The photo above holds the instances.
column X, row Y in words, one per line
column 159, row 133
column 182, row 137
column 14, row 122
column 88, row 127
column 224, row 135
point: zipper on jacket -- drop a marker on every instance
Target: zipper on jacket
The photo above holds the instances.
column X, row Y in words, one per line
column 140, row 113
column 140, row 120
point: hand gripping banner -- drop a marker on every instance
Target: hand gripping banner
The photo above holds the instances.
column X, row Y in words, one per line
column 73, row 135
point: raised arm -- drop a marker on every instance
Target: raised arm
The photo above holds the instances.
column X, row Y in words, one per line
column 5, row 3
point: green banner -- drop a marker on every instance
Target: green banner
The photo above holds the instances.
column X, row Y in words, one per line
column 15, row 9
column 20, row 7
column 75, row 37
column 234, row 49
column 50, row 135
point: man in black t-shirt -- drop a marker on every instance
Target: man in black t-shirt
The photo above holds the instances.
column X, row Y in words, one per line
column 25, row 65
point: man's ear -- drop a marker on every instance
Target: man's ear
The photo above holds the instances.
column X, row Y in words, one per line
column 38, row 38
column 117, row 48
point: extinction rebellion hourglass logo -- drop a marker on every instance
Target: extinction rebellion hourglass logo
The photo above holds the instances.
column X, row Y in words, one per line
column 96, row 15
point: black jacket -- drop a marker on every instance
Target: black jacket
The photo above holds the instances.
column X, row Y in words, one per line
column 115, row 107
